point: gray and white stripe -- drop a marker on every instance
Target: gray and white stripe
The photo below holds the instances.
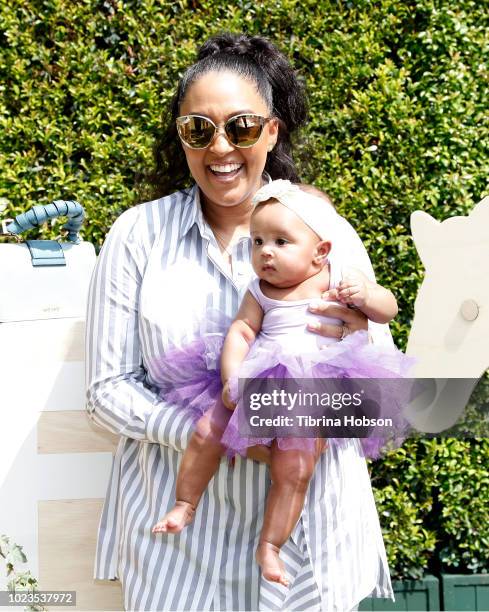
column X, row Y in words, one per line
column 157, row 274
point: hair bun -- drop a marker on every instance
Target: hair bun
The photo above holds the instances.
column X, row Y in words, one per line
column 234, row 44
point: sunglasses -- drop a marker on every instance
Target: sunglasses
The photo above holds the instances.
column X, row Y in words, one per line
column 242, row 131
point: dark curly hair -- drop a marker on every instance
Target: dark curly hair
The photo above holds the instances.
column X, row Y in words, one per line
column 255, row 58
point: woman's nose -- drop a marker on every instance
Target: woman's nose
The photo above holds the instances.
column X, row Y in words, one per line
column 220, row 144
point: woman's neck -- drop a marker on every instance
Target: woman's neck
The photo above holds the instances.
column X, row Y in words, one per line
column 228, row 220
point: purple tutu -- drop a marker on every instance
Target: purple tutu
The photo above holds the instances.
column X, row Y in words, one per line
column 353, row 358
column 190, row 378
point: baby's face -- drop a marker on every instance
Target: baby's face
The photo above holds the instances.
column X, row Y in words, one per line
column 284, row 247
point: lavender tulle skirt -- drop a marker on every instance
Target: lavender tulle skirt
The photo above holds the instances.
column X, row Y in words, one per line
column 190, row 378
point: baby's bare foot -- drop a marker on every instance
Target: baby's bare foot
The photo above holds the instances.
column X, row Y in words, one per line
column 272, row 567
column 174, row 521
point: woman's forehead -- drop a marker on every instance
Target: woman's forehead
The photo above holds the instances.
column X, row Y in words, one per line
column 220, row 95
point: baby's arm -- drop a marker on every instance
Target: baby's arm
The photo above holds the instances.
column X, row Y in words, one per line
column 376, row 302
column 240, row 337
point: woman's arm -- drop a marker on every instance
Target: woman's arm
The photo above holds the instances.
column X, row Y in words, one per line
column 117, row 397
column 348, row 248
column 240, row 337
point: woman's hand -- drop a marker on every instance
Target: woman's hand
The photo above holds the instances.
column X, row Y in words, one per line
column 260, row 453
column 321, row 446
column 226, row 397
column 263, row 453
column 354, row 320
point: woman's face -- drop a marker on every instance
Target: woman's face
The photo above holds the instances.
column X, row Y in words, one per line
column 227, row 175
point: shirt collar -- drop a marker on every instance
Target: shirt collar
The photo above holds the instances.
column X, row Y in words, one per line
column 193, row 213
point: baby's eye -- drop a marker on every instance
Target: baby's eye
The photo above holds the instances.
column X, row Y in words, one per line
column 281, row 241
column 258, row 241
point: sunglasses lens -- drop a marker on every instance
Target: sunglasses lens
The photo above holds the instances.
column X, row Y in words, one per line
column 245, row 130
column 196, row 132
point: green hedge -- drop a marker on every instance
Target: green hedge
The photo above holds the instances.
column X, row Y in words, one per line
column 398, row 106
column 463, row 498
column 433, row 501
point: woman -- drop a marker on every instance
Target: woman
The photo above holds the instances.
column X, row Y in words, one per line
column 163, row 264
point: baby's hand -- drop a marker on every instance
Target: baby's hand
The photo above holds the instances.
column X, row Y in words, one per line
column 353, row 290
column 226, row 397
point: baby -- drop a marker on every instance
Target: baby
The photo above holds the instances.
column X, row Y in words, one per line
column 292, row 231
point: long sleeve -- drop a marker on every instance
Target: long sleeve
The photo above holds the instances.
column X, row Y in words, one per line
column 117, row 397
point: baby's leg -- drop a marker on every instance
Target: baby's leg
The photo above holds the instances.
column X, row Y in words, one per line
column 291, row 471
column 199, row 464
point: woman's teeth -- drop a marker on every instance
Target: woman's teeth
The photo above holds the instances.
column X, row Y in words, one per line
column 225, row 168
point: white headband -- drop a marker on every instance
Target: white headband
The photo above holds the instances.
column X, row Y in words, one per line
column 314, row 211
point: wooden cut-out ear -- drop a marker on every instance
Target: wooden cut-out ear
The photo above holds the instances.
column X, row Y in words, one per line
column 481, row 211
column 424, row 230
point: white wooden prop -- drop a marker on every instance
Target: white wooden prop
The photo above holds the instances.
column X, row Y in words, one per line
column 54, row 464
column 450, row 332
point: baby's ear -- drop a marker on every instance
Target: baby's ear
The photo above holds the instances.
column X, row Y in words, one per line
column 322, row 251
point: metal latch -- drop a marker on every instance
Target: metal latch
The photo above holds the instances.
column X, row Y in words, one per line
column 5, row 234
column 4, row 224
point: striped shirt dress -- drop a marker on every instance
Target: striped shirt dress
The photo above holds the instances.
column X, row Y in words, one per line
column 158, row 272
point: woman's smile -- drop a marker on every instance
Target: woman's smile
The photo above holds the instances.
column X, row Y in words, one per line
column 225, row 171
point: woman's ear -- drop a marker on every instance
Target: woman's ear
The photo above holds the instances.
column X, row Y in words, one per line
column 322, row 251
column 273, row 129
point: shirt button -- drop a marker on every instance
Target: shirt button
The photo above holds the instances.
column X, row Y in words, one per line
column 242, row 269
